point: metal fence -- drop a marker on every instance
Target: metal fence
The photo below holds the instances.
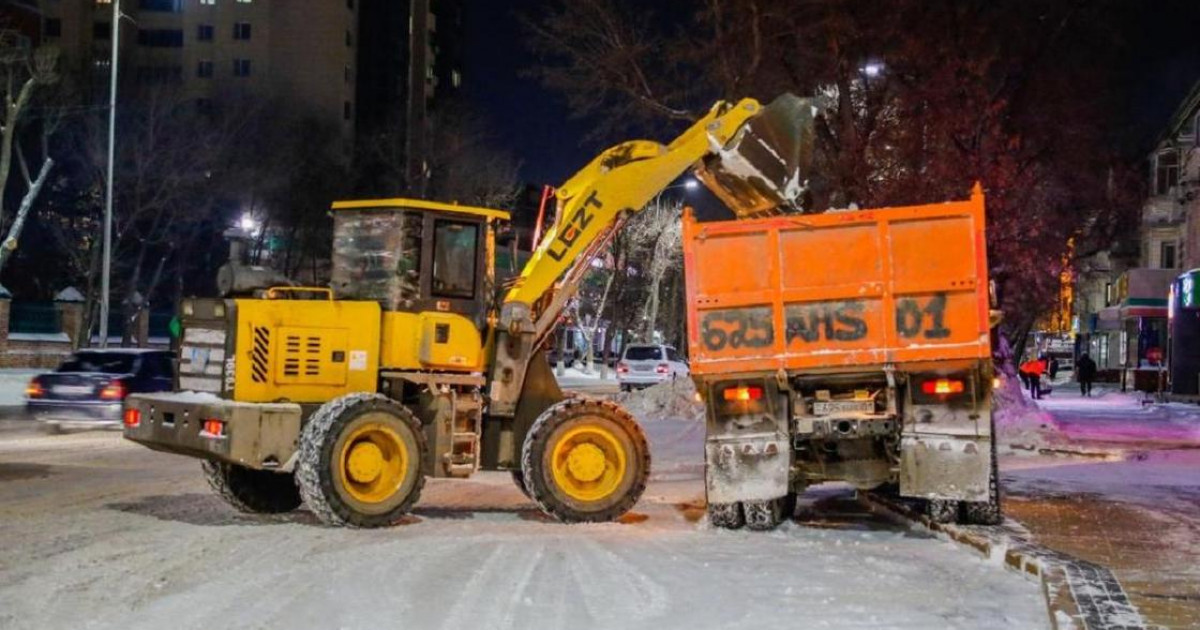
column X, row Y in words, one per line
column 34, row 318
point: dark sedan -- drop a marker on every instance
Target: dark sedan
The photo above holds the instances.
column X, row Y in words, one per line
column 89, row 388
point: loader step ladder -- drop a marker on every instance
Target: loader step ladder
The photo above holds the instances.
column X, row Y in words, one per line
column 466, row 425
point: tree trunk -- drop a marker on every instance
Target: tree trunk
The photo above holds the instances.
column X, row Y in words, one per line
column 14, row 232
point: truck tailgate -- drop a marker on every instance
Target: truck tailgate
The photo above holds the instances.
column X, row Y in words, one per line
column 842, row 289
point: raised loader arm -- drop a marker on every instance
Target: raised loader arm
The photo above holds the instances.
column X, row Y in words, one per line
column 750, row 156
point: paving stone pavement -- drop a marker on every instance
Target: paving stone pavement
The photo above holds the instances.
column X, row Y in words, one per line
column 1139, row 547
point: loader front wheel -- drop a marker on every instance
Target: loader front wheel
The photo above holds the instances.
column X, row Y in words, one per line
column 360, row 461
column 252, row 491
column 585, row 461
column 519, row 481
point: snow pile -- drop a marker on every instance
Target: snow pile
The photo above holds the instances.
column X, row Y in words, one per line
column 12, row 386
column 670, row 400
column 1020, row 423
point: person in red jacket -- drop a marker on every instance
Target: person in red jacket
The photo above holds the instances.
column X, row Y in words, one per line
column 1032, row 371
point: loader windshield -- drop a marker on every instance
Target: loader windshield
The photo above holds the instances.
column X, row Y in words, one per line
column 454, row 248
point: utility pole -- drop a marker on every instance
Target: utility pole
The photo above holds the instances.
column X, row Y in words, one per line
column 108, row 197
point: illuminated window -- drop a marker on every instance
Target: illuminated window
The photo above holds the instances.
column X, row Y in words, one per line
column 208, row 2
column 455, row 78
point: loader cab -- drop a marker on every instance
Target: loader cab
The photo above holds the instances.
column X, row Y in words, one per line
column 430, row 266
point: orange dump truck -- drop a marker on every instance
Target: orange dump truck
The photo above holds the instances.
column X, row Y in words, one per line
column 848, row 346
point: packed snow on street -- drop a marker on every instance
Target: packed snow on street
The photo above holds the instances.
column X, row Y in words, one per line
column 100, row 533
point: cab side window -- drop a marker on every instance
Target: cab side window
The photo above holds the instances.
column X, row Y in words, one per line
column 455, row 247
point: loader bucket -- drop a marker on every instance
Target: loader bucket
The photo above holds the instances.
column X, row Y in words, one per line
column 763, row 170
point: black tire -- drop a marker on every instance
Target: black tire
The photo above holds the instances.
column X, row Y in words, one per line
column 578, row 414
column 252, row 491
column 762, row 516
column 371, row 422
column 989, row 512
column 519, row 481
column 726, row 515
column 942, row 510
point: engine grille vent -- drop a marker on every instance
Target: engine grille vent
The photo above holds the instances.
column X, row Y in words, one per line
column 302, row 356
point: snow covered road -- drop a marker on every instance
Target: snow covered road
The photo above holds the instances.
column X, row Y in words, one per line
column 99, row 533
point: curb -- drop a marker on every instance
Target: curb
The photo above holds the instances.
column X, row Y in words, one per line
column 1079, row 595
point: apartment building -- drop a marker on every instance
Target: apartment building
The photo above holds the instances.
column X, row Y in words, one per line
column 1123, row 306
column 302, row 51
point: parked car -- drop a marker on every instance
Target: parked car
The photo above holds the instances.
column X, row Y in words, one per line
column 89, row 388
column 643, row 365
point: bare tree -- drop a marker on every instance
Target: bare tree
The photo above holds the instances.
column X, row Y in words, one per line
column 24, row 71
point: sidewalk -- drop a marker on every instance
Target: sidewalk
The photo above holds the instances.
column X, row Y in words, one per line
column 1132, row 506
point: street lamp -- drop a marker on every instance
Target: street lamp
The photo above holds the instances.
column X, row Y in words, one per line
column 108, row 192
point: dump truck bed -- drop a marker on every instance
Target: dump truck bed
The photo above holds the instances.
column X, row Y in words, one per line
column 838, row 290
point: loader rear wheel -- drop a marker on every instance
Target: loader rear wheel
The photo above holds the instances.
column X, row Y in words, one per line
column 360, row 461
column 726, row 515
column 585, row 461
column 252, row 491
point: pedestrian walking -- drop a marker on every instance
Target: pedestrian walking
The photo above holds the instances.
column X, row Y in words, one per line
column 1053, row 369
column 1085, row 371
column 1034, row 368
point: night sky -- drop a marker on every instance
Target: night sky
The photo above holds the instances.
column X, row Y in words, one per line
column 1162, row 61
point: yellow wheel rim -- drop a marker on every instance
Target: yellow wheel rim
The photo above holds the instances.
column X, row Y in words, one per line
column 373, row 463
column 588, row 463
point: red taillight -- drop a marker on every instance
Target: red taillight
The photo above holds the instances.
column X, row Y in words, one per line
column 133, row 417
column 34, row 389
column 622, row 368
column 737, row 394
column 942, row 387
column 662, row 368
column 214, row 427
column 114, row 391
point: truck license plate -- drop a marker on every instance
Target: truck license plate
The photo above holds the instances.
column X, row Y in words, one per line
column 829, row 407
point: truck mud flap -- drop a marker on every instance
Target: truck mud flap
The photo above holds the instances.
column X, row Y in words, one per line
column 746, row 468
column 945, row 467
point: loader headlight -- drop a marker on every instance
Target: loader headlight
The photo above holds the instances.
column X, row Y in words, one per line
column 187, row 308
column 219, row 310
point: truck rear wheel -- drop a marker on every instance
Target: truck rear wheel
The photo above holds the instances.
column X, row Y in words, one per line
column 252, row 491
column 360, row 461
column 989, row 512
column 767, row 515
column 726, row 515
column 585, row 461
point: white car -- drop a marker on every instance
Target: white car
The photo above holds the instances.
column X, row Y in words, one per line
column 643, row 365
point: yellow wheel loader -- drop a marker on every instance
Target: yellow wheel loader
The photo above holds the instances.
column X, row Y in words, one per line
column 412, row 364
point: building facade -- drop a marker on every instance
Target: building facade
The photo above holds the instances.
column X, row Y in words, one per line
column 1123, row 308
column 301, row 51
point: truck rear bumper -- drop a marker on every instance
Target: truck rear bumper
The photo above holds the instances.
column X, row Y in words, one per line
column 255, row 435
